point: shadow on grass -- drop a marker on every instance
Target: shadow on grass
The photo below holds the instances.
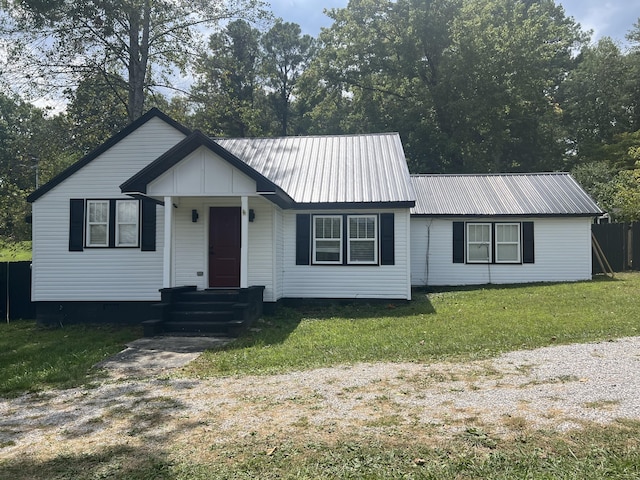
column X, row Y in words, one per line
column 599, row 278
column 103, row 427
column 111, row 462
column 276, row 328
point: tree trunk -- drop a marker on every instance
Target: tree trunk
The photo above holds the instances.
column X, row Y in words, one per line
column 138, row 58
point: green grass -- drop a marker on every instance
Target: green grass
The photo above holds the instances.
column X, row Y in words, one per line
column 596, row 453
column 15, row 252
column 33, row 358
column 447, row 324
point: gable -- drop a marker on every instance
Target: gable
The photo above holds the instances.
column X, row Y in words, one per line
column 137, row 128
column 202, row 172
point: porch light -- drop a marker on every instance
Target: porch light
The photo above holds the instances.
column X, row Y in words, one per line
column 194, row 215
column 252, row 215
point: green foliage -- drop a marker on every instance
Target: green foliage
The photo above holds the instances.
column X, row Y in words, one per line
column 15, row 252
column 469, row 85
column 461, row 323
column 595, row 99
column 57, row 43
column 34, row 358
column 97, row 110
column 31, row 145
column 228, row 96
column 616, row 190
column 287, row 54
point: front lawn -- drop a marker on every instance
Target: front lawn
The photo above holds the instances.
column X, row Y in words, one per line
column 33, row 357
column 456, row 323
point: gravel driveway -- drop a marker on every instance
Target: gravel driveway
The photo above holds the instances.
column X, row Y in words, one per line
column 558, row 387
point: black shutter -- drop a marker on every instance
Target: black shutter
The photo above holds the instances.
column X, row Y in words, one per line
column 303, row 239
column 387, row 239
column 112, row 223
column 76, row 224
column 458, row 242
column 148, row 230
column 528, row 248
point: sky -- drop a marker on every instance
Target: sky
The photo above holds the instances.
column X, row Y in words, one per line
column 612, row 18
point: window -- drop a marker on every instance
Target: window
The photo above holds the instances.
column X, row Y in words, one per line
column 97, row 223
column 126, row 223
column 478, row 242
column 344, row 240
column 363, row 242
column 112, row 223
column 507, row 243
column 368, row 239
column 327, row 239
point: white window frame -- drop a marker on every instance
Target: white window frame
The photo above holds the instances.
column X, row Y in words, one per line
column 119, row 223
column 89, row 224
column 350, row 240
column 315, row 240
column 470, row 243
column 518, row 243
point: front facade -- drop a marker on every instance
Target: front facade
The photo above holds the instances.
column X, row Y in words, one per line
column 159, row 206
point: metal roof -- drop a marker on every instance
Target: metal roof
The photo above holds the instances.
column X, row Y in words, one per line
column 330, row 169
column 532, row 194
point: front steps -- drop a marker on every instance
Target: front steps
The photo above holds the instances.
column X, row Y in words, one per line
column 219, row 312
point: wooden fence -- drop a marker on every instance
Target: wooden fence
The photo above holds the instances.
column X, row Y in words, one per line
column 620, row 243
column 15, row 291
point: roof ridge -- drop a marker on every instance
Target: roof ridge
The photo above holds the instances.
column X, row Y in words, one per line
column 341, row 135
column 507, row 174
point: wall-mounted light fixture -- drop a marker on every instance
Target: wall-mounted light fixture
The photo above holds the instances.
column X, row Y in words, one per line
column 194, row 215
column 252, row 215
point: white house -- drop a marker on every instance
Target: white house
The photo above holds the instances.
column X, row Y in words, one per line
column 159, row 207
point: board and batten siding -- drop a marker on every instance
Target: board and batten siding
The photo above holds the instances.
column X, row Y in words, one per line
column 348, row 281
column 190, row 245
column 99, row 274
column 562, row 253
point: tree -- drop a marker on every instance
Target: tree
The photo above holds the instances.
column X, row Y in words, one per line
column 595, row 101
column 228, row 97
column 287, row 54
column 56, row 42
column 501, row 74
column 31, row 152
column 470, row 85
column 95, row 111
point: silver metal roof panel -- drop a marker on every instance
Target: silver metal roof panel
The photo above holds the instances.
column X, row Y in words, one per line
column 501, row 194
column 330, row 169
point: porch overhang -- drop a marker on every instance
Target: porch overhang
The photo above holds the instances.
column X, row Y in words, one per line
column 137, row 185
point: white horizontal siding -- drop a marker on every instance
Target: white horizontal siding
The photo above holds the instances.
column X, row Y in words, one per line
column 110, row 274
column 278, row 227
column 348, row 281
column 562, row 253
column 261, row 261
column 190, row 251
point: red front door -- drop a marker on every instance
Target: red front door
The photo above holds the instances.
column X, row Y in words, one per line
column 224, row 247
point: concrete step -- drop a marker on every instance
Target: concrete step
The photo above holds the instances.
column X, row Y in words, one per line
column 181, row 316
column 231, row 328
